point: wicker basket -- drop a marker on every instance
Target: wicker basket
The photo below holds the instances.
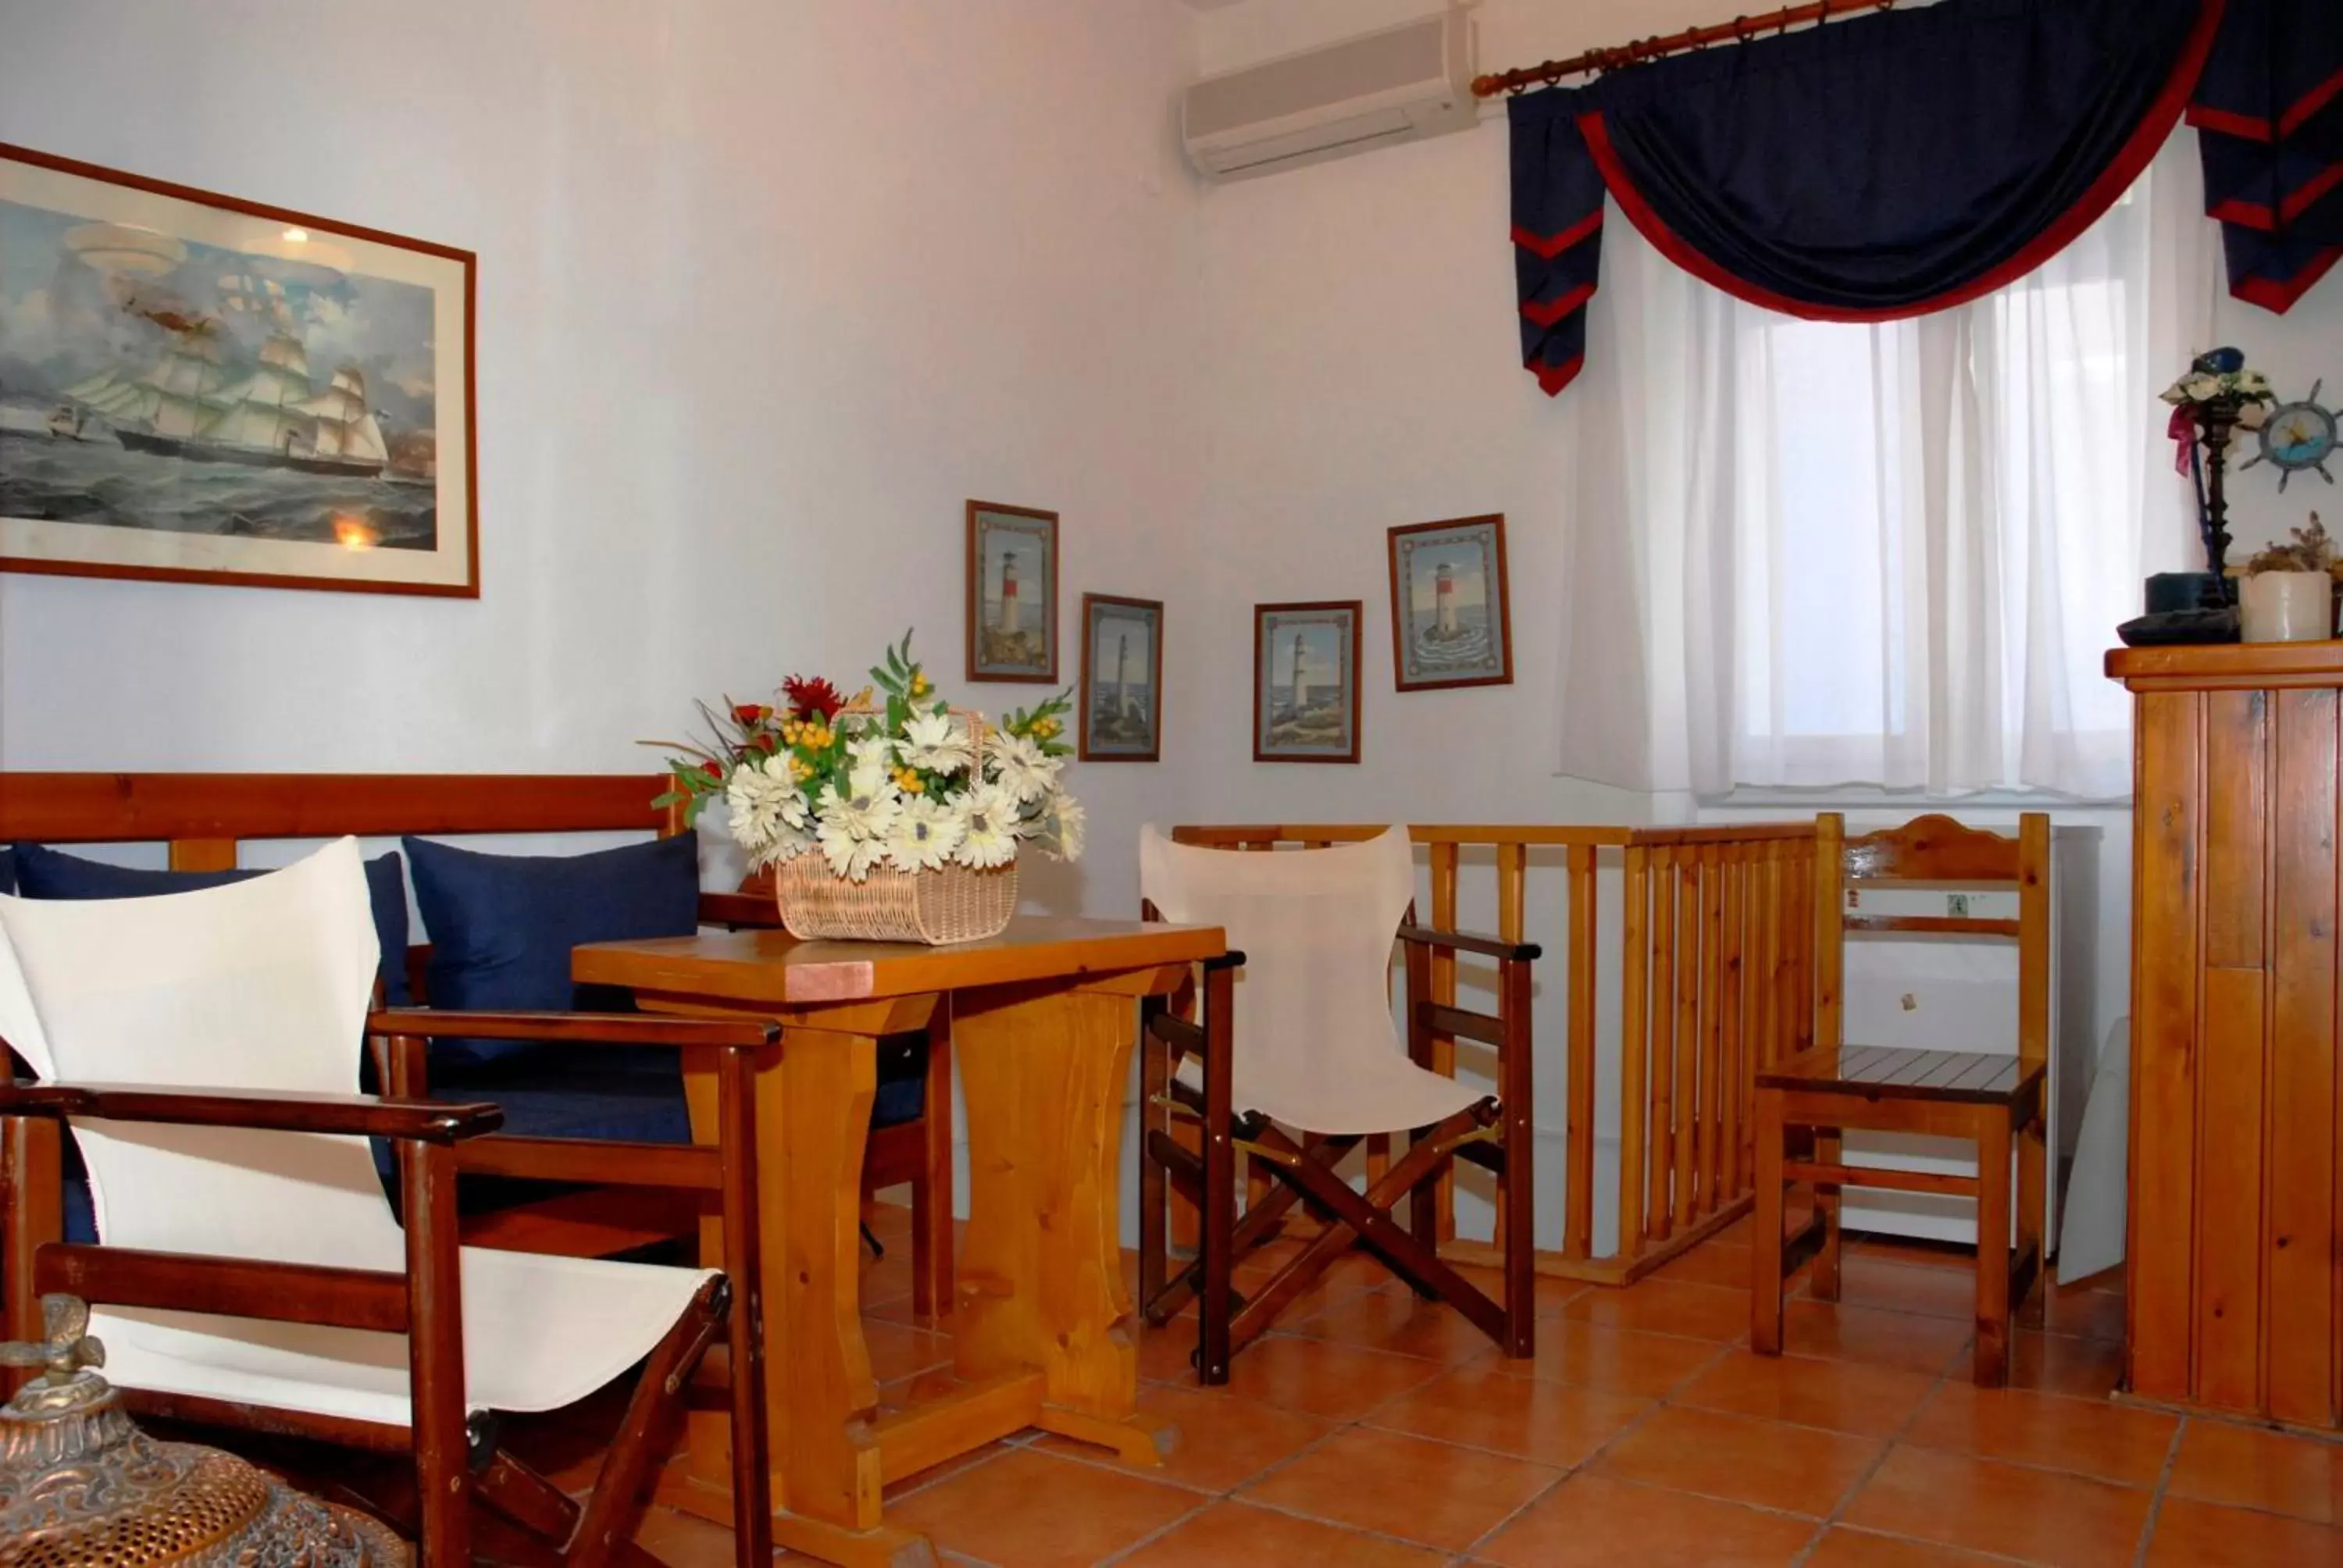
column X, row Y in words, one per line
column 955, row 904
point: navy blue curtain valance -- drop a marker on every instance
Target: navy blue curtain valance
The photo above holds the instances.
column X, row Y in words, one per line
column 1864, row 170
column 2269, row 113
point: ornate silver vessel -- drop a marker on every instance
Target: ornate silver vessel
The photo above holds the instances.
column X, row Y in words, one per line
column 80, row 1486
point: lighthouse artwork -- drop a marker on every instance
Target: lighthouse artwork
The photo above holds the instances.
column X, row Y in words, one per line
column 1450, row 625
column 1012, row 593
column 1122, row 678
column 195, row 388
column 1306, row 682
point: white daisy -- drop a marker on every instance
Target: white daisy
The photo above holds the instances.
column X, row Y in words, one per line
column 934, row 743
column 761, row 794
column 870, row 749
column 1023, row 768
column 848, row 857
column 926, row 833
column 988, row 817
column 866, row 809
column 1061, row 827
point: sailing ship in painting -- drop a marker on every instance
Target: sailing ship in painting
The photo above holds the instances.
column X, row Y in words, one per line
column 231, row 389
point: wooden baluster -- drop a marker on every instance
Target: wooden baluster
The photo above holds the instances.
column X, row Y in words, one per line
column 1512, row 913
column 1635, row 1044
column 1730, row 1007
column 1664, row 1037
column 1686, row 1095
column 1443, row 991
column 1578, row 1200
column 1711, row 1024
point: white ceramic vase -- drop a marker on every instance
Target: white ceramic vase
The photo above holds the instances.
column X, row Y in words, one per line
column 2286, row 607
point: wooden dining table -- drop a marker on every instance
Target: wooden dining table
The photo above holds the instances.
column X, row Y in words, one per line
column 1042, row 1020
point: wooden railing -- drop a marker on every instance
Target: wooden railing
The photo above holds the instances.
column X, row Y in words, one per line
column 1715, row 958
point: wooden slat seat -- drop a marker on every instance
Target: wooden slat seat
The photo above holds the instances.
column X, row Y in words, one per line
column 1883, row 1071
column 1806, row 1105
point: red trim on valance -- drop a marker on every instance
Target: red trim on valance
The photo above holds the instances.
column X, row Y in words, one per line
column 2255, row 128
column 2155, row 127
column 1548, row 247
column 2257, row 215
column 1552, row 379
column 1554, row 310
column 2277, row 297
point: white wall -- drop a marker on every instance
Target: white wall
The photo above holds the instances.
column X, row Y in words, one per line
column 767, row 292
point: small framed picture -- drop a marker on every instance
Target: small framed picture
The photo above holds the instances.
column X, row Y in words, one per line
column 1305, row 682
column 1012, row 593
column 1452, row 624
column 1122, row 678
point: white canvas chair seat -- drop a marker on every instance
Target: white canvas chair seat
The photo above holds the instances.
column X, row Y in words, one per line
column 1315, row 1048
column 265, row 985
column 540, row 1334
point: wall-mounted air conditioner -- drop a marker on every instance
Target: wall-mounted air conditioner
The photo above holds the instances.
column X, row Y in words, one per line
column 1395, row 84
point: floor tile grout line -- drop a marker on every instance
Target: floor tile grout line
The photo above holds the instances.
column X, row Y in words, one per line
column 1878, row 1460
column 2147, row 1526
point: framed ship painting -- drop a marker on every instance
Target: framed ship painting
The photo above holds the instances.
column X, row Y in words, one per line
column 1452, row 623
column 1305, row 682
column 1012, row 593
column 203, row 389
column 1122, row 680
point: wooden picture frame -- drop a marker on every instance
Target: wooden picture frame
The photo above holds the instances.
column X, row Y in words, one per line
column 1009, row 547
column 1308, row 637
column 207, row 389
column 1117, row 726
column 1451, row 609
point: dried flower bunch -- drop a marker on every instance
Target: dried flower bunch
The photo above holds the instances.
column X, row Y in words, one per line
column 915, row 785
column 2309, row 550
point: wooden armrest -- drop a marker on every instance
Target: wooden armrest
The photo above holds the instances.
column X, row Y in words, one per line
column 574, row 1028
column 1467, row 942
column 360, row 1115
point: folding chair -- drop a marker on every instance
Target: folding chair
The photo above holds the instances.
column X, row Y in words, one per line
column 1296, row 1062
column 204, row 1048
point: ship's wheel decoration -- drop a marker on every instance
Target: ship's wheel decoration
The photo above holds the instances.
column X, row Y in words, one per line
column 2297, row 436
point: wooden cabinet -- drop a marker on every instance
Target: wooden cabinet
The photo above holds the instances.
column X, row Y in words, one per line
column 2233, row 1263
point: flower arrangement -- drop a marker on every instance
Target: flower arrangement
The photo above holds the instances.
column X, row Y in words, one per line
column 2220, row 379
column 2307, row 549
column 910, row 785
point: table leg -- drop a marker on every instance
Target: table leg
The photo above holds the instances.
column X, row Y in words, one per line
column 1040, row 1288
column 813, row 1118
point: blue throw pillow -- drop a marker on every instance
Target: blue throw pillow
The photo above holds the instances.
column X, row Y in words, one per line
column 8, row 870
column 42, row 872
column 502, row 926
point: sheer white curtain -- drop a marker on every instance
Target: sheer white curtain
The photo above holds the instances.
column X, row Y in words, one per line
column 1810, row 554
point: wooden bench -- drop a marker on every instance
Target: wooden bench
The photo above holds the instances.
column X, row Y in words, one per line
column 204, row 818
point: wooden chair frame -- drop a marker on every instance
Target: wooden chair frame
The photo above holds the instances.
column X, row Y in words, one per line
column 456, row 1459
column 1804, row 1106
column 203, row 817
column 1495, row 1133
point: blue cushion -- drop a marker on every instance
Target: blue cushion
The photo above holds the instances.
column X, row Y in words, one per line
column 630, row 1093
column 40, row 872
column 502, row 926
column 8, row 870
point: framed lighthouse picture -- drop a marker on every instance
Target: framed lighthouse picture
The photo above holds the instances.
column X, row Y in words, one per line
column 1012, row 593
column 1451, row 622
column 1305, row 681
column 1122, row 678
column 201, row 389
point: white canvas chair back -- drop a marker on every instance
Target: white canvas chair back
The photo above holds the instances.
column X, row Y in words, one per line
column 1314, row 1045
column 265, row 985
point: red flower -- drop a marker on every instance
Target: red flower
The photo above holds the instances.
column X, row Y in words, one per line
column 713, row 770
column 766, row 741
column 747, row 713
column 811, row 696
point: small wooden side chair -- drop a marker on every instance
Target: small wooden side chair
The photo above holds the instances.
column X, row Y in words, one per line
column 1803, row 1105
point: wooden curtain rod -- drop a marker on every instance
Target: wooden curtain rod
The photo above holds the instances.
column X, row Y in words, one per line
column 1741, row 29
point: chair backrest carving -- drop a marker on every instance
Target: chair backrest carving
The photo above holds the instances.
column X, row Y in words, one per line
column 1935, row 850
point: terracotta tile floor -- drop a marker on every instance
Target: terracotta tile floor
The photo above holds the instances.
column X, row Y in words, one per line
column 1374, row 1430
